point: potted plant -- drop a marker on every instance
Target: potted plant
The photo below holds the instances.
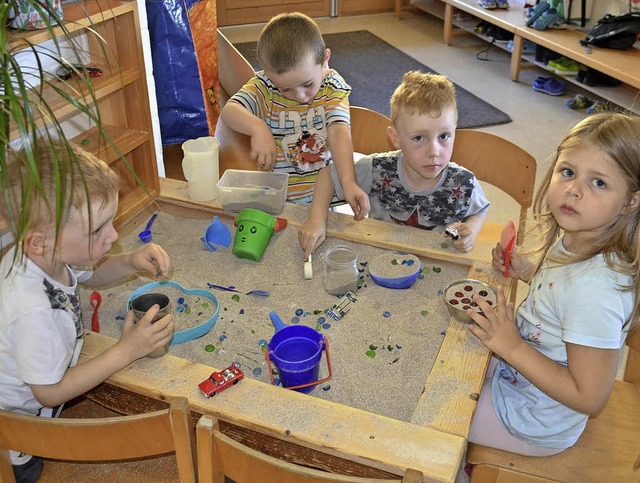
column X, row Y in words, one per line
column 29, row 92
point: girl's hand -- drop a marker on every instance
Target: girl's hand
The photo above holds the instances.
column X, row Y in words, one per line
column 496, row 329
column 140, row 338
column 263, row 148
column 151, row 258
column 519, row 267
column 311, row 235
column 466, row 237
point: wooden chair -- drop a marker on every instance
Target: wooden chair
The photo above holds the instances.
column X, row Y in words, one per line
column 369, row 131
column 101, row 439
column 608, row 450
column 220, row 456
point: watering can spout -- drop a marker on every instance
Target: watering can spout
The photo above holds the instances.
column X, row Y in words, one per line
column 276, row 321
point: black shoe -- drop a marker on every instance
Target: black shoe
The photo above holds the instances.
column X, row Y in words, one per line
column 30, row 471
column 595, row 78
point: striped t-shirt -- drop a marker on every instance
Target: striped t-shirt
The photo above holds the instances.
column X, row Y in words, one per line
column 300, row 130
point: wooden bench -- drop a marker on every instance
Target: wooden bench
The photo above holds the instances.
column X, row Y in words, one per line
column 607, row 451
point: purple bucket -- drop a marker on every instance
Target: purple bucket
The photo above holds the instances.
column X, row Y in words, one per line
column 296, row 351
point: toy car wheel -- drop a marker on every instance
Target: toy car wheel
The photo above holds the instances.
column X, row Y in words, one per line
column 236, row 382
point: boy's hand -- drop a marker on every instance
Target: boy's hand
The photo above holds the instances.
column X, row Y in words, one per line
column 151, row 258
column 143, row 337
column 311, row 235
column 466, row 237
column 358, row 201
column 519, row 267
column 263, row 148
column 496, row 329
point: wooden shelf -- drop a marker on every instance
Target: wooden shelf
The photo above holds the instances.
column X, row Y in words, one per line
column 114, row 45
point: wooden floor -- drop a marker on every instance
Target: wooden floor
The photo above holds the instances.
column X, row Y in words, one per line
column 153, row 470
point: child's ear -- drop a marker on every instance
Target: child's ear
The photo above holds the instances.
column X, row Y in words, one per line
column 35, row 243
column 327, row 56
column 633, row 204
column 393, row 136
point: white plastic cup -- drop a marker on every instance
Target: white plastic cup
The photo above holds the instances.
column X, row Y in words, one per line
column 200, row 167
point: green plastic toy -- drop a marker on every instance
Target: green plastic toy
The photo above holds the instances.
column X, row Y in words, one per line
column 254, row 230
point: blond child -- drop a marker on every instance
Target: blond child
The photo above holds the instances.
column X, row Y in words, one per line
column 41, row 329
column 418, row 185
column 296, row 112
column 556, row 360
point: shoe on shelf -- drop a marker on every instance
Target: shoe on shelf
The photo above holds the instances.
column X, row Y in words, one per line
column 536, row 11
column 540, row 81
column 595, row 78
column 551, row 86
column 568, row 67
column 579, row 102
column 552, row 64
column 546, row 19
column 488, row 4
column 597, row 107
column 504, row 4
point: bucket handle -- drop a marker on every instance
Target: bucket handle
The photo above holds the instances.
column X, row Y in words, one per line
column 273, row 382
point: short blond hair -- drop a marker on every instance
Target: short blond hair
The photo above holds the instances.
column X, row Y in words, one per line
column 421, row 93
column 287, row 41
column 69, row 177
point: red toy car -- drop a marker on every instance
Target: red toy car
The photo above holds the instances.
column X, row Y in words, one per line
column 219, row 381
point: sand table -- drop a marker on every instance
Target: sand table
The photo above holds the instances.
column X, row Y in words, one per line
column 381, row 351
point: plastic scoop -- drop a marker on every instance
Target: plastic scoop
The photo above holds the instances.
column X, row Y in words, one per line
column 95, row 299
column 507, row 241
column 145, row 235
column 217, row 233
column 261, row 293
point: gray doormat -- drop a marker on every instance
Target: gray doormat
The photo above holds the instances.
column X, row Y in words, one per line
column 373, row 68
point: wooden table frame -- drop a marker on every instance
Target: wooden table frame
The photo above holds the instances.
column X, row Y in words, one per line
column 310, row 430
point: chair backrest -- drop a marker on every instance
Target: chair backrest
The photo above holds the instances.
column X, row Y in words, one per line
column 237, row 70
column 500, row 163
column 632, row 370
column 101, row 439
column 369, row 131
column 219, row 455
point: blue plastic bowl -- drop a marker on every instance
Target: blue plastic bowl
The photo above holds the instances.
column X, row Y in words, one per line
column 401, row 282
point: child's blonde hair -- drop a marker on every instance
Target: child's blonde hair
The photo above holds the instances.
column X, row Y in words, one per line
column 287, row 41
column 618, row 136
column 65, row 181
column 420, row 93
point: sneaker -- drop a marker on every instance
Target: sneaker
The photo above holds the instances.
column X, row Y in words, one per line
column 30, row 471
column 487, row 4
column 567, row 67
column 595, row 78
column 536, row 11
column 579, row 102
column 546, row 19
column 502, row 4
column 552, row 87
column 597, row 107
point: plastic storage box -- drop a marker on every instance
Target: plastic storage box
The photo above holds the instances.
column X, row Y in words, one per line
column 260, row 190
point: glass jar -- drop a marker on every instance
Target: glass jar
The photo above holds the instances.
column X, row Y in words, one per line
column 340, row 270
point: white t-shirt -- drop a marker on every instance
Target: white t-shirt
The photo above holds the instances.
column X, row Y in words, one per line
column 40, row 332
column 580, row 303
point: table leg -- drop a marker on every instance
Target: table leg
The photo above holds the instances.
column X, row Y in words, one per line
column 516, row 57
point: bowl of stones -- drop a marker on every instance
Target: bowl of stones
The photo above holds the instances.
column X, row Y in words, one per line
column 458, row 297
column 395, row 270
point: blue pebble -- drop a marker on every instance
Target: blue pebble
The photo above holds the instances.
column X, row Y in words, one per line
column 326, row 325
column 326, row 387
column 410, row 262
column 440, row 292
column 242, row 311
column 222, row 338
column 180, row 309
column 276, row 381
column 180, row 300
column 257, row 371
column 386, row 314
column 307, row 314
column 119, row 317
column 295, row 320
column 321, row 320
column 299, row 311
column 236, row 364
column 262, row 342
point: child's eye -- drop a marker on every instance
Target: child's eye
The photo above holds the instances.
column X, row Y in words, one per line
column 598, row 183
column 308, row 84
column 567, row 172
column 418, row 138
column 444, row 136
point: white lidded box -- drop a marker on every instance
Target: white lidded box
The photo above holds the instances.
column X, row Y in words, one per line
column 261, row 190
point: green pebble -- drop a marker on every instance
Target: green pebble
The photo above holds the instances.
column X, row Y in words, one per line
column 421, row 276
column 318, row 327
column 444, row 245
column 370, row 354
column 84, row 142
column 205, row 305
column 389, row 347
column 209, row 348
column 424, row 313
column 373, row 347
column 187, row 311
column 437, row 269
column 394, row 262
column 236, row 298
column 316, row 312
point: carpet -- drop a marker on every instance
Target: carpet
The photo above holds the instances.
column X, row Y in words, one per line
column 373, row 68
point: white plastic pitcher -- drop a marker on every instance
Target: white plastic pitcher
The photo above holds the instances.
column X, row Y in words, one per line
column 200, row 167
